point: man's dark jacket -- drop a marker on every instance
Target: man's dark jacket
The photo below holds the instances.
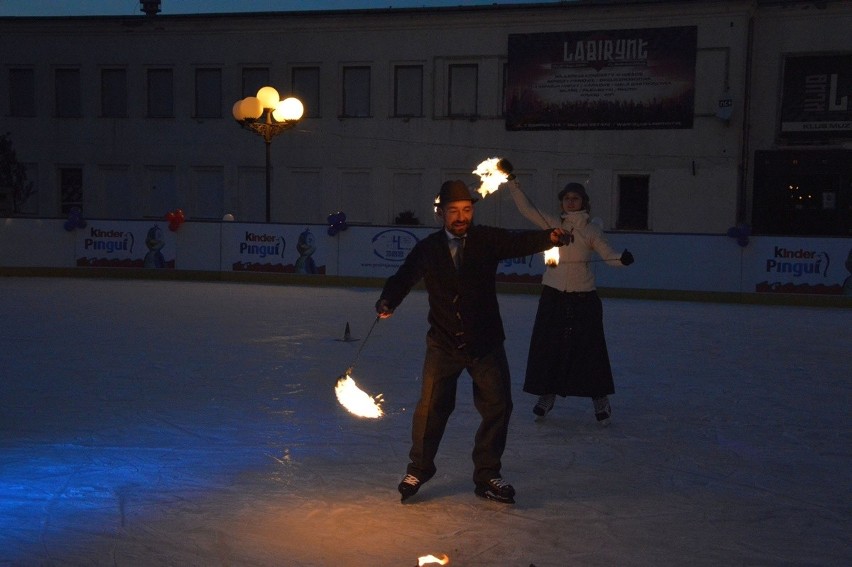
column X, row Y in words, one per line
column 463, row 308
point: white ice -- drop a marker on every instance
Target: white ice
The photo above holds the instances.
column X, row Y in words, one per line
column 191, row 423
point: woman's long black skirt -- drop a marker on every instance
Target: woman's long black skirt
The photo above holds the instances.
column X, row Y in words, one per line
column 568, row 354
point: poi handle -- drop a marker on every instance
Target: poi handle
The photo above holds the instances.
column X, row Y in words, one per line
column 364, row 342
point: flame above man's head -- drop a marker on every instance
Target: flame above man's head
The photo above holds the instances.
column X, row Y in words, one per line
column 492, row 173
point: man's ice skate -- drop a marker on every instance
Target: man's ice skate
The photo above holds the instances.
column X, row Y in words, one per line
column 409, row 486
column 497, row 490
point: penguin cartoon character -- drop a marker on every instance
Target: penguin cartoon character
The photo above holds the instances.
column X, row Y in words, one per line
column 155, row 242
column 306, row 246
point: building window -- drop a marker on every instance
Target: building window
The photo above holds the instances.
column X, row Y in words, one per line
column 408, row 90
column 69, row 102
column 209, row 186
column 161, row 194
column 632, row 202
column 111, row 199
column 463, row 86
column 114, row 93
column 253, row 79
column 70, row 189
column 356, row 91
column 354, row 196
column 160, row 93
column 306, row 87
column 300, row 193
column 208, row 93
column 505, row 89
column 21, row 92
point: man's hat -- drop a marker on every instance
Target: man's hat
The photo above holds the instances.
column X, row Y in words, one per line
column 454, row 190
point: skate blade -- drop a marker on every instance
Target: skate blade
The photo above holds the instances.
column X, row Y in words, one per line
column 495, row 498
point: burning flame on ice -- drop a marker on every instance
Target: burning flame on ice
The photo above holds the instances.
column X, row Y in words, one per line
column 490, row 176
column 432, row 560
column 355, row 400
column 551, row 257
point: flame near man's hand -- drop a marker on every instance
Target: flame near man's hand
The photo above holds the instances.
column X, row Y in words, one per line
column 355, row 400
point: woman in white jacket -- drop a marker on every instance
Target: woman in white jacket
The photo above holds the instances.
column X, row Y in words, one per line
column 568, row 354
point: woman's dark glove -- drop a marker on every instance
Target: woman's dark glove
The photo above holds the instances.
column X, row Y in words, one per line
column 627, row 257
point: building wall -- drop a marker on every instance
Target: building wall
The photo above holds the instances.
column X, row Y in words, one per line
column 790, row 30
column 375, row 167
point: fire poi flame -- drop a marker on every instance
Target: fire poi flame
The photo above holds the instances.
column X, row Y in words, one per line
column 551, row 257
column 432, row 560
column 490, row 175
column 355, row 400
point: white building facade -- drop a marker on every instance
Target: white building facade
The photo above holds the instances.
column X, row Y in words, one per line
column 701, row 125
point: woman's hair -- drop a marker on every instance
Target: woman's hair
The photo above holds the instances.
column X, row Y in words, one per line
column 574, row 187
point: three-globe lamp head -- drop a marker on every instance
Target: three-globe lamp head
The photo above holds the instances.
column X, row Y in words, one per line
column 268, row 101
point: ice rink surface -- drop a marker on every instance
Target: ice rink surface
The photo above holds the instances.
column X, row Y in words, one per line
column 183, row 423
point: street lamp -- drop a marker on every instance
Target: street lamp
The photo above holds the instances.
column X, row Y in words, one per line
column 267, row 116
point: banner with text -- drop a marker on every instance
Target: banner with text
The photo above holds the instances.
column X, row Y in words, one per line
column 125, row 244
column 380, row 251
column 288, row 249
column 602, row 80
column 817, row 97
column 798, row 265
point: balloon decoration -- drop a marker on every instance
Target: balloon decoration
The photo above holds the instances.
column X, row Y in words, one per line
column 336, row 223
column 741, row 232
column 75, row 219
column 175, row 218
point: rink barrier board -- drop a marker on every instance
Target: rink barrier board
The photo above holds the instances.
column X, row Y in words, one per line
column 798, row 270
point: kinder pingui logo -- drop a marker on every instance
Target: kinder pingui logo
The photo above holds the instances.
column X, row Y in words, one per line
column 109, row 241
column 263, row 245
column 798, row 263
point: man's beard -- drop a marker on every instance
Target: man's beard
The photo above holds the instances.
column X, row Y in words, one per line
column 459, row 229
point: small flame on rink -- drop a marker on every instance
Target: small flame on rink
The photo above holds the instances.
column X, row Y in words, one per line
column 356, row 401
column 490, row 175
column 551, row 257
column 432, row 560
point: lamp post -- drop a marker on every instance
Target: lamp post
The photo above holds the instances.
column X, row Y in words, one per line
column 267, row 116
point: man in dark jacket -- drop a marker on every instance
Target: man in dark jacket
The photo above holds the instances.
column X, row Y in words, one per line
column 459, row 267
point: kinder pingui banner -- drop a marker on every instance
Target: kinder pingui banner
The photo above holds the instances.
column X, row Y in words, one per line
column 125, row 244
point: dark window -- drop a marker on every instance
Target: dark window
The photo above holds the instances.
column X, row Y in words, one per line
column 208, row 93
column 462, row 91
column 253, row 79
column 113, row 93
column 306, row 87
column 70, row 189
column 69, row 102
column 505, row 89
column 356, row 91
column 803, row 192
column 160, row 93
column 632, row 202
column 408, row 90
column 22, row 92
